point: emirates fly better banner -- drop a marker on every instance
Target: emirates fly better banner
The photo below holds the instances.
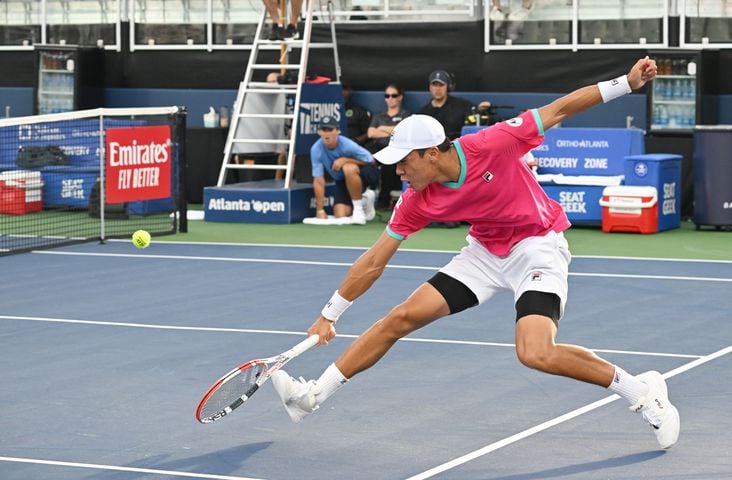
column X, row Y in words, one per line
column 138, row 163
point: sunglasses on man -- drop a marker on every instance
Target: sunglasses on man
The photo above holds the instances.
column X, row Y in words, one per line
column 392, row 95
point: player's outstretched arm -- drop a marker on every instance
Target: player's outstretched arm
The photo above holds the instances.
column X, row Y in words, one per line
column 581, row 99
column 362, row 274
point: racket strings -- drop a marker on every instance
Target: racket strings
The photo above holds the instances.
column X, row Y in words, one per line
column 230, row 391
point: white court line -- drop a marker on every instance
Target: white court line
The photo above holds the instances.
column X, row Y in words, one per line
column 348, row 264
column 418, row 250
column 289, row 332
column 555, row 421
column 95, row 466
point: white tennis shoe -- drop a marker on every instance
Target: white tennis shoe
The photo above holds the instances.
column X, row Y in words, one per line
column 520, row 14
column 369, row 200
column 298, row 396
column 496, row 15
column 358, row 217
column 657, row 410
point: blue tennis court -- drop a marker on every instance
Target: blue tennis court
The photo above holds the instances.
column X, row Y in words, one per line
column 107, row 350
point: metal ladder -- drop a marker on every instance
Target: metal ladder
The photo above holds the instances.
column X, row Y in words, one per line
column 256, row 126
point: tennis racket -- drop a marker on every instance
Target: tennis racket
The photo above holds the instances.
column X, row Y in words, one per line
column 236, row 387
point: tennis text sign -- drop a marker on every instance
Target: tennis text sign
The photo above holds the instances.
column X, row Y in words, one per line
column 138, row 163
column 316, row 102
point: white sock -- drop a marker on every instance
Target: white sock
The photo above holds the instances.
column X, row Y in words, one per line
column 627, row 386
column 357, row 204
column 329, row 382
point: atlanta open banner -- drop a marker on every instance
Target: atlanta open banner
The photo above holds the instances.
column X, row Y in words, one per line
column 138, row 163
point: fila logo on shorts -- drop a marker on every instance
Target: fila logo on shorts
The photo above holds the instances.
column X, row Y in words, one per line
column 536, row 276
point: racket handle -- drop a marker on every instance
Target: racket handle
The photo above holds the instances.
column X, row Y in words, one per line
column 304, row 345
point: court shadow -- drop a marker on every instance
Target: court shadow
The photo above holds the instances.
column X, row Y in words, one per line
column 608, row 463
column 220, row 462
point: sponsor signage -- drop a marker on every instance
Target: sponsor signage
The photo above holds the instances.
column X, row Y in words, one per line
column 580, row 203
column 316, row 102
column 587, row 151
column 138, row 163
column 261, row 205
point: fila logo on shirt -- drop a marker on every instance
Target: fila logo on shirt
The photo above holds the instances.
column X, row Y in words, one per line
column 515, row 122
column 536, row 276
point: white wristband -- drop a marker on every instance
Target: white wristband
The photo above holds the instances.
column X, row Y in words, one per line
column 612, row 89
column 335, row 307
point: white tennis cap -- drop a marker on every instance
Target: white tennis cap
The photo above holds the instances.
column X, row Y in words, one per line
column 415, row 131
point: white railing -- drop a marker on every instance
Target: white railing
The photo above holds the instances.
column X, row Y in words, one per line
column 230, row 24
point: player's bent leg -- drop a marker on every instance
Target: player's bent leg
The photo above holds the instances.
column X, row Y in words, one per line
column 647, row 392
column 536, row 349
column 423, row 306
column 537, row 317
column 301, row 398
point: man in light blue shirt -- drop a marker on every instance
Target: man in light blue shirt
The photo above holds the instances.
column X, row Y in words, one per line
column 352, row 168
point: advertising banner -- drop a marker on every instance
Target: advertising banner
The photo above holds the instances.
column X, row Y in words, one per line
column 588, row 151
column 317, row 101
column 138, row 163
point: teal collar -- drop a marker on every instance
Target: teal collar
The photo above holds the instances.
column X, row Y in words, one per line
column 463, row 167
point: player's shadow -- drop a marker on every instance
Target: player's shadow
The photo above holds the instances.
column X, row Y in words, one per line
column 567, row 470
column 220, row 462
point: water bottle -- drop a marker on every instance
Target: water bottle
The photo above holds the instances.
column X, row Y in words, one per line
column 667, row 89
column 658, row 90
column 224, row 116
column 678, row 92
column 656, row 118
column 690, row 116
column 662, row 116
column 690, row 89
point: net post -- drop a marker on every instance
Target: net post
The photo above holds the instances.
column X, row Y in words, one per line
column 102, row 176
column 180, row 138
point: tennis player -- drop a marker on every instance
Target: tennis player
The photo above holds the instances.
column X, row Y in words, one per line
column 515, row 244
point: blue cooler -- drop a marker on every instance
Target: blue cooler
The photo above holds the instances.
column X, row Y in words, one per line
column 663, row 171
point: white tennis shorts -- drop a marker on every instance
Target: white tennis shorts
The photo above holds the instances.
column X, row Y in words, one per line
column 534, row 264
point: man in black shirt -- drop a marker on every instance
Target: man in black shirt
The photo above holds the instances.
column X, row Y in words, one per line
column 450, row 111
column 358, row 118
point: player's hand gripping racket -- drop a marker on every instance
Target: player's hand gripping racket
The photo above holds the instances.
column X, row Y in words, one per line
column 237, row 386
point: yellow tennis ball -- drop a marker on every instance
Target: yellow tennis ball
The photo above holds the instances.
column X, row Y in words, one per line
column 141, row 239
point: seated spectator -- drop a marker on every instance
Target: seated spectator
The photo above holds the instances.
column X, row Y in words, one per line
column 499, row 13
column 352, row 168
column 379, row 133
column 449, row 110
column 358, row 118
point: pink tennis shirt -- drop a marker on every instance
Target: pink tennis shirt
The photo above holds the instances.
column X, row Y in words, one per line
column 496, row 193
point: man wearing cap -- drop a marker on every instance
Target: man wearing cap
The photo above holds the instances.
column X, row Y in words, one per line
column 450, row 111
column 351, row 167
column 515, row 244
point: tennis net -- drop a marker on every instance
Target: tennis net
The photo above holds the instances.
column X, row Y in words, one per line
column 90, row 175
